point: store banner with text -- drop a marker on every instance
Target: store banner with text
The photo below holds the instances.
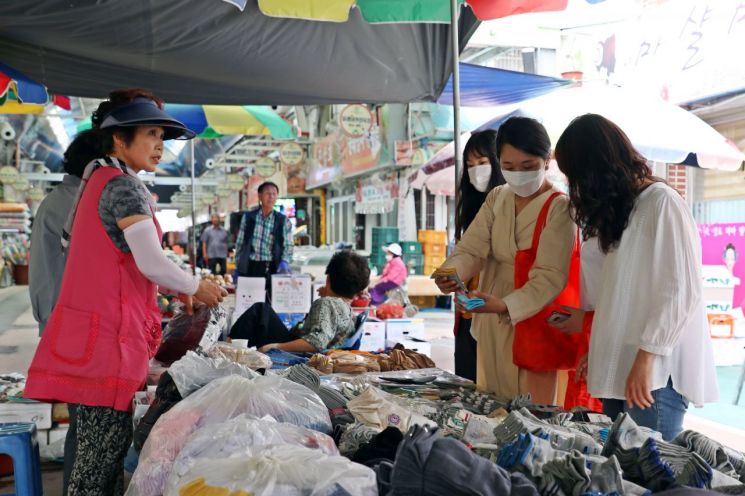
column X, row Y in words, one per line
column 376, row 194
column 723, row 246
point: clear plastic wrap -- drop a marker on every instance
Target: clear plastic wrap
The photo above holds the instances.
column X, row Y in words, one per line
column 279, row 470
column 193, row 371
column 247, row 357
column 243, row 436
column 218, row 401
column 191, row 332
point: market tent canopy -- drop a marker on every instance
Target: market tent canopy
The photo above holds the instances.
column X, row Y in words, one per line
column 486, row 86
column 195, row 51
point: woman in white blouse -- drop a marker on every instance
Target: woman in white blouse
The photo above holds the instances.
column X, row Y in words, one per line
column 650, row 351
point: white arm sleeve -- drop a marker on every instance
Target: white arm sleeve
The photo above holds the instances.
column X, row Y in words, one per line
column 142, row 239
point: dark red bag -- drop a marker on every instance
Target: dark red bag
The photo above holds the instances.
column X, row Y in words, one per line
column 538, row 346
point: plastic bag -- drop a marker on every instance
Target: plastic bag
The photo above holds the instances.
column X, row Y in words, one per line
column 280, row 470
column 243, row 436
column 194, row 371
column 191, row 332
column 248, row 357
column 218, row 401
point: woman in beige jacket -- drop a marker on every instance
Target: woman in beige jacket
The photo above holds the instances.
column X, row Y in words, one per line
column 504, row 225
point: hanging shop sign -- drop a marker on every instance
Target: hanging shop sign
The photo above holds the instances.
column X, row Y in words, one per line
column 35, row 194
column 376, row 194
column 291, row 154
column 208, row 199
column 355, row 120
column 8, row 174
column 236, row 182
column 409, row 153
column 324, row 156
column 265, row 167
column 21, row 184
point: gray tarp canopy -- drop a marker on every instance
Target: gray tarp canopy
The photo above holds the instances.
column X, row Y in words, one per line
column 208, row 52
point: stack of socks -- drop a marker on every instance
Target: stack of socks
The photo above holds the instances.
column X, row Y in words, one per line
column 480, row 403
column 336, row 404
column 523, row 422
column 656, row 464
column 723, row 459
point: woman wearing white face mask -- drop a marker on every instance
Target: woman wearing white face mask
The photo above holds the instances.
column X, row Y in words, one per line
column 482, row 175
column 495, row 245
column 394, row 274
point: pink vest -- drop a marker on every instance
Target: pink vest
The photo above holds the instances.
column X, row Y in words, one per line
column 105, row 326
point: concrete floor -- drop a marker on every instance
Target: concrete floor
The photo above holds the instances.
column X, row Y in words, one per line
column 19, row 338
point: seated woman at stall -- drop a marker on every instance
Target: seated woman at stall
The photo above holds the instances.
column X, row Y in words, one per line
column 329, row 322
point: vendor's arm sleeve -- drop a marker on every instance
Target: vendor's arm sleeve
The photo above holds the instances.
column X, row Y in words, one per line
column 239, row 239
column 475, row 244
column 550, row 271
column 142, row 239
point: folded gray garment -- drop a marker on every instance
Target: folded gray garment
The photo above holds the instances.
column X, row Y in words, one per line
column 428, row 464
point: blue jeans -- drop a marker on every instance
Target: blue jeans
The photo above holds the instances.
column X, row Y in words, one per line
column 665, row 415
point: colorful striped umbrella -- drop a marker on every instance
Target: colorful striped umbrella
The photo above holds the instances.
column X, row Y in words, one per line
column 22, row 95
column 214, row 121
column 387, row 11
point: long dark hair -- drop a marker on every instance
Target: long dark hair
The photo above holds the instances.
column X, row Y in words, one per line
column 605, row 173
column 482, row 144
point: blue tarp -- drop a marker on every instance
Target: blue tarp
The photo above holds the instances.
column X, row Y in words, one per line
column 487, row 87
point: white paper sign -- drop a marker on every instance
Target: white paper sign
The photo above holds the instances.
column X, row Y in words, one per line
column 291, row 294
column 248, row 291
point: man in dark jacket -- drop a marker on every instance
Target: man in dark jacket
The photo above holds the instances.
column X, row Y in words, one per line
column 264, row 243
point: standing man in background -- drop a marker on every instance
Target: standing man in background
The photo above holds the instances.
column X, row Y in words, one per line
column 215, row 246
column 264, row 244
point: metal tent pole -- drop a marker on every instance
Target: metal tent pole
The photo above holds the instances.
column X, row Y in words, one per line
column 193, row 207
column 456, row 95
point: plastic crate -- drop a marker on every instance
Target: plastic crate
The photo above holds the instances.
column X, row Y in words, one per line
column 413, row 259
column 435, row 249
column 415, row 270
column 434, row 260
column 430, row 236
column 384, row 236
column 411, row 247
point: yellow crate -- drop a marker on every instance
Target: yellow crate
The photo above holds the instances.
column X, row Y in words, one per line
column 423, row 301
column 435, row 260
column 430, row 236
column 434, row 249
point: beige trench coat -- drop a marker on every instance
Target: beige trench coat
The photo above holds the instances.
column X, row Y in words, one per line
column 489, row 246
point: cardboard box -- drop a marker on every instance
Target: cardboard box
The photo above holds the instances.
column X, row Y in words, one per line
column 373, row 336
column 39, row 413
column 57, row 433
column 248, row 290
column 418, row 345
column 291, row 293
column 397, row 329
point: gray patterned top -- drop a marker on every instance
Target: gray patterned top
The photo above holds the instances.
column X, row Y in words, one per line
column 328, row 324
column 122, row 197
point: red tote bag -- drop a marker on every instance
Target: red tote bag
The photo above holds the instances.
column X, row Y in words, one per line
column 538, row 346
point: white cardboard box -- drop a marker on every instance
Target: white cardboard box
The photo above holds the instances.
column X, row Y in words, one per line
column 398, row 329
column 418, row 345
column 373, row 336
column 57, row 433
column 248, row 290
column 39, row 413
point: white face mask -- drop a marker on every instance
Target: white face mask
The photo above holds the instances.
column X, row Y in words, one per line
column 389, row 257
column 525, row 183
column 479, row 176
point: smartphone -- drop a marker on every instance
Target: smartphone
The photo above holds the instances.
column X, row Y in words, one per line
column 558, row 317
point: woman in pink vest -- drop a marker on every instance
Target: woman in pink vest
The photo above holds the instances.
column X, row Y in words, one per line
column 105, row 326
